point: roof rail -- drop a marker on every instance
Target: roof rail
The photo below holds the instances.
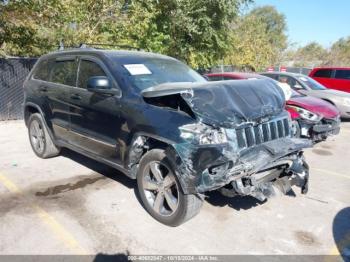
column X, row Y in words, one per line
column 97, row 45
column 61, row 46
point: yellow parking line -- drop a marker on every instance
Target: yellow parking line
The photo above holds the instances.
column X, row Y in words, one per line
column 334, row 251
column 54, row 226
column 330, row 173
column 341, row 244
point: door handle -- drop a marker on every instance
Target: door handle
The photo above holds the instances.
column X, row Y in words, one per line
column 75, row 97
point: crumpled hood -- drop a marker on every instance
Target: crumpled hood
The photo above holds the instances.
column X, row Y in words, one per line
column 226, row 103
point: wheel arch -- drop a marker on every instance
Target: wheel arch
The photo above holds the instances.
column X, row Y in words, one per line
column 142, row 143
column 31, row 108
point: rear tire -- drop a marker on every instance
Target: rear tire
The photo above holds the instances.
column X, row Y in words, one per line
column 40, row 139
column 161, row 193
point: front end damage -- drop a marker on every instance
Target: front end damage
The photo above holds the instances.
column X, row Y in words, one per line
column 260, row 170
column 241, row 143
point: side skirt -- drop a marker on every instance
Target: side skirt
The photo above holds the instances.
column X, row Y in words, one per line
column 94, row 157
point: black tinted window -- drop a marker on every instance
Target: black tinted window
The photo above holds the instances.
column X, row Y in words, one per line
column 64, row 72
column 42, row 71
column 88, row 69
column 342, row 74
column 323, row 73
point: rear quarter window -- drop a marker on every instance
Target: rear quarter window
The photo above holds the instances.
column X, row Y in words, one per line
column 342, row 74
column 42, row 71
column 326, row 73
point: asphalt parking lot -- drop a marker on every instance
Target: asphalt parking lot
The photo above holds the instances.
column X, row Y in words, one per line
column 73, row 205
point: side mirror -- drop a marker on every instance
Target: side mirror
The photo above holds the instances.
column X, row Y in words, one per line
column 297, row 86
column 96, row 83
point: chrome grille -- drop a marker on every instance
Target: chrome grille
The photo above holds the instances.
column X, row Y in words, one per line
column 255, row 135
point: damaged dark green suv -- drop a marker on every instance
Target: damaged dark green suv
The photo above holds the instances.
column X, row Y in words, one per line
column 156, row 120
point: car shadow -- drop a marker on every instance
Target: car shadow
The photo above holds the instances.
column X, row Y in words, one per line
column 215, row 198
column 341, row 232
column 99, row 168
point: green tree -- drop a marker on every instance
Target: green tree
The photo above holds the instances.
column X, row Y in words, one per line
column 33, row 27
column 192, row 30
column 309, row 55
column 339, row 53
column 257, row 39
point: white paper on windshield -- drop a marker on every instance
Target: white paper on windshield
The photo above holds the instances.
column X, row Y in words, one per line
column 138, row 69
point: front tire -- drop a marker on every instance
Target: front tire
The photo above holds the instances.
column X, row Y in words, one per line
column 40, row 139
column 161, row 193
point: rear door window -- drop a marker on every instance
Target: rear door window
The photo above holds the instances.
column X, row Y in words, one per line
column 326, row 73
column 88, row 69
column 342, row 74
column 64, row 72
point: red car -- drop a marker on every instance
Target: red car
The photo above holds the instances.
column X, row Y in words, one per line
column 333, row 77
column 313, row 118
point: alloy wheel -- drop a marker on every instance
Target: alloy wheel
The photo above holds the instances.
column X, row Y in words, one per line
column 37, row 136
column 160, row 188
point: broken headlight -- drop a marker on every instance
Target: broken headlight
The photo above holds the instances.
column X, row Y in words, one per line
column 306, row 114
column 213, row 136
column 203, row 134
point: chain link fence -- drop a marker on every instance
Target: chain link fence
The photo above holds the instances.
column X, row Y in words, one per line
column 13, row 72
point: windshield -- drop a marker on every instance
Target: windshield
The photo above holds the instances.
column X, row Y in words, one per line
column 146, row 72
column 314, row 85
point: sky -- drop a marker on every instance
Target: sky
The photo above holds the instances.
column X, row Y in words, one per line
column 323, row 21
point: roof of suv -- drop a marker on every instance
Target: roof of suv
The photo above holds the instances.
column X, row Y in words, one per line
column 88, row 50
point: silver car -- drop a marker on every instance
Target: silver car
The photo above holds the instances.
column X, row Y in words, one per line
column 306, row 85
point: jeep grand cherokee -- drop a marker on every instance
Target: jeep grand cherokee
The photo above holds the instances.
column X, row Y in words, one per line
column 159, row 122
